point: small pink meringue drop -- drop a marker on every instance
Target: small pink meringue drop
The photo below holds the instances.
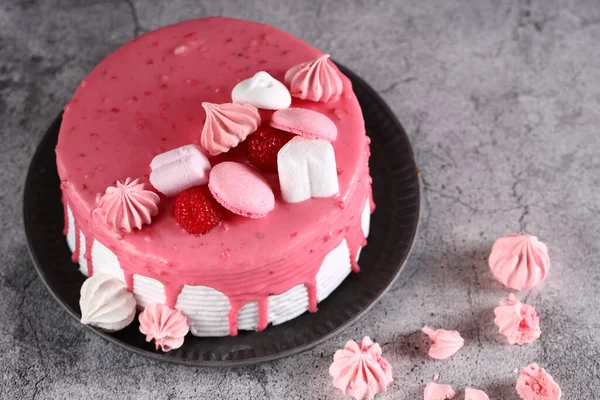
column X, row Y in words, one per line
column 166, row 326
column 445, row 343
column 359, row 370
column 438, row 391
column 475, row 394
column 517, row 321
column 519, row 261
column 536, row 384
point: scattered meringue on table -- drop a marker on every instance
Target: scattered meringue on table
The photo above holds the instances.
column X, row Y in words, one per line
column 517, row 321
column 475, row 394
column 445, row 343
column 359, row 370
column 519, row 261
column 535, row 383
column 438, row 391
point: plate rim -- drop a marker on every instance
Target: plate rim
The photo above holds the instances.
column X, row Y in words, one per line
column 159, row 356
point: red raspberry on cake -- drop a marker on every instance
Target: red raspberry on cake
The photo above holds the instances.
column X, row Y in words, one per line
column 197, row 211
column 263, row 146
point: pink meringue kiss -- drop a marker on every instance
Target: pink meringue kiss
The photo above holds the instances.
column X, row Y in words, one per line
column 227, row 125
column 166, row 326
column 475, row 394
column 536, row 384
column 438, row 391
column 303, row 122
column 517, row 321
column 128, row 205
column 519, row 261
column 359, row 370
column 316, row 80
column 445, row 343
column 241, row 189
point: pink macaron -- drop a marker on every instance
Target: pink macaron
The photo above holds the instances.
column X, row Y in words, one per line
column 241, row 189
column 303, row 122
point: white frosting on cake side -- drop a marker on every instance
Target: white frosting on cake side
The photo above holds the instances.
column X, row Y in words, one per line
column 206, row 308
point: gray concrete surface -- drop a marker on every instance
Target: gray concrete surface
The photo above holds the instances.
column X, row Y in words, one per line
column 501, row 101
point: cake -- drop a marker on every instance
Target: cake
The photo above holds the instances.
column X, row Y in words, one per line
column 201, row 105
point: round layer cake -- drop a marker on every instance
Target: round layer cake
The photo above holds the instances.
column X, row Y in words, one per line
column 145, row 99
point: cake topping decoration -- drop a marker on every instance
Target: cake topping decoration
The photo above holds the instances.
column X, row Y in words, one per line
column 227, row 125
column 262, row 91
column 359, row 370
column 308, row 123
column 106, row 303
column 445, row 343
column 316, row 80
column 179, row 169
column 535, row 383
column 517, row 321
column 519, row 261
column 128, row 205
column 438, row 391
column 166, row 326
column 263, row 146
column 475, row 394
column 307, row 169
column 241, row 189
column 196, row 211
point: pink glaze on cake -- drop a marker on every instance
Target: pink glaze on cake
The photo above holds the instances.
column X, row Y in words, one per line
column 146, row 98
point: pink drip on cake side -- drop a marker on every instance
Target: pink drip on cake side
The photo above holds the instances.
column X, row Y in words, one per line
column 77, row 232
column 89, row 243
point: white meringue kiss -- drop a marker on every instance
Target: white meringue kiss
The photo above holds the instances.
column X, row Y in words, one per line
column 262, row 91
column 106, row 303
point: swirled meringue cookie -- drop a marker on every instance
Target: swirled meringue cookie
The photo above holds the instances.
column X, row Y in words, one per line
column 359, row 370
column 262, row 91
column 106, row 303
column 316, row 80
column 519, row 261
column 166, row 326
column 128, row 205
column 227, row 125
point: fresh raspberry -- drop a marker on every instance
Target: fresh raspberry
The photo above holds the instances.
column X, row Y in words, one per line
column 197, row 211
column 263, row 146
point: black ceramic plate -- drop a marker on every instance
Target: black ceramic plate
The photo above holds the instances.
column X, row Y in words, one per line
column 393, row 230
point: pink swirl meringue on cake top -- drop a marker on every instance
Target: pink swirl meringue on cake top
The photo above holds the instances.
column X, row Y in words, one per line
column 227, row 125
column 445, row 343
column 517, row 321
column 535, row 383
column 128, row 205
column 475, row 394
column 316, row 80
column 166, row 326
column 519, row 261
column 438, row 391
column 359, row 370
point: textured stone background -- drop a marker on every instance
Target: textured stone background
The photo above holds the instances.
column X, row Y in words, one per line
column 500, row 99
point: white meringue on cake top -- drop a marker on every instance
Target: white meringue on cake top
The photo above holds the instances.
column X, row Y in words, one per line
column 106, row 303
column 262, row 91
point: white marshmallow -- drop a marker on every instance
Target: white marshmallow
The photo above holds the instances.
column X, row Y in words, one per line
column 179, row 169
column 262, row 91
column 307, row 169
